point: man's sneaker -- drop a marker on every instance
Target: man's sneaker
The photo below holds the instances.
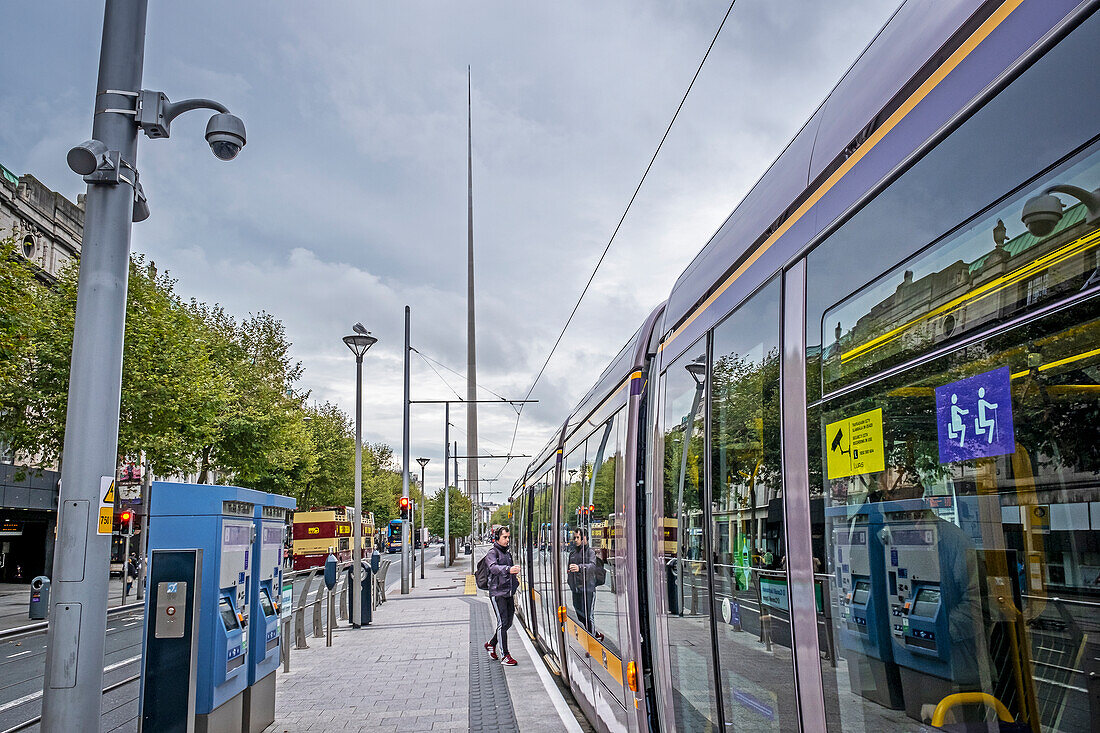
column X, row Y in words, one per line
column 492, row 651
column 507, row 661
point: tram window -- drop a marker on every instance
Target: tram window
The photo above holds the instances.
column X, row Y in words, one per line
column 685, row 558
column 1039, row 117
column 751, row 607
column 962, row 600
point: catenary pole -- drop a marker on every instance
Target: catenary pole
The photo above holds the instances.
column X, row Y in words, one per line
column 73, row 681
column 447, row 485
column 406, row 547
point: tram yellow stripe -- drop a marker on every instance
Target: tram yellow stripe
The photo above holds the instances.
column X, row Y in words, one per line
column 595, row 650
column 914, row 99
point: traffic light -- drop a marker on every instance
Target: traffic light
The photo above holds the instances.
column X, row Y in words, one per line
column 127, row 521
column 404, row 507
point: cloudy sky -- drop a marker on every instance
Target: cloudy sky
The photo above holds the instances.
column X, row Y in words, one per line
column 349, row 201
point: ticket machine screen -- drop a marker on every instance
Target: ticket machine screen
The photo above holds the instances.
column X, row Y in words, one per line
column 862, row 592
column 926, row 603
column 266, row 604
column 229, row 618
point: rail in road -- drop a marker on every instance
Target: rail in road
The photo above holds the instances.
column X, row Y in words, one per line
column 23, row 662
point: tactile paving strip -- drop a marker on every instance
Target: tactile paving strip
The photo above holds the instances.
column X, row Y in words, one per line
column 490, row 704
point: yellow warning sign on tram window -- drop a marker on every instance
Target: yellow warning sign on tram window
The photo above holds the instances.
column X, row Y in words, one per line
column 106, row 520
column 854, row 445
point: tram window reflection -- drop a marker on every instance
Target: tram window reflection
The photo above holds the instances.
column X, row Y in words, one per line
column 953, row 426
column 685, row 561
column 751, row 601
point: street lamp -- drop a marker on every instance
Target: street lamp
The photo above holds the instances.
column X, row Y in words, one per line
column 73, row 681
column 358, row 342
column 423, row 500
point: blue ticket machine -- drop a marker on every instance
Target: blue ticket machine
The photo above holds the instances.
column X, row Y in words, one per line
column 935, row 607
column 270, row 518
column 218, row 520
column 862, row 588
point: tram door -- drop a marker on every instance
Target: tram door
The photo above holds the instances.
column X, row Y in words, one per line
column 543, row 549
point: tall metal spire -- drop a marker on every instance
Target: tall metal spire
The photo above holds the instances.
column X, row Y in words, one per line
column 471, row 351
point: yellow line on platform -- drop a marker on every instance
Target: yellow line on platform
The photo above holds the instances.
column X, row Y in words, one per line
column 471, row 585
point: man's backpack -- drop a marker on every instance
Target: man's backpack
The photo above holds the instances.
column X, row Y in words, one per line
column 599, row 572
column 481, row 574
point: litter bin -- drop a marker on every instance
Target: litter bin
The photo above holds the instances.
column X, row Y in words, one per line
column 469, row 550
column 364, row 590
column 40, row 597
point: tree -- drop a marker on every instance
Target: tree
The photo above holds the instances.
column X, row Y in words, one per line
column 461, row 509
column 332, row 479
column 21, row 321
column 502, row 515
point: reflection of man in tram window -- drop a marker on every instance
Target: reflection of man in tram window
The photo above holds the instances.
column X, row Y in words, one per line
column 959, row 591
column 582, row 579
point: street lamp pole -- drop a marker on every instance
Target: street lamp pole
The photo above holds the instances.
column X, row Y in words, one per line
column 423, row 500
column 358, row 342
column 73, row 679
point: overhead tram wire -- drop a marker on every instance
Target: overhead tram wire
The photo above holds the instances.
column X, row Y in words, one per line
column 626, row 211
column 457, row 374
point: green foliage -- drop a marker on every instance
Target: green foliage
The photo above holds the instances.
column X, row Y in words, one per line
column 201, row 390
column 502, row 515
column 460, row 511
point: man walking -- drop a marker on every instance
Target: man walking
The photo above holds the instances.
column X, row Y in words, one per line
column 502, row 589
column 582, row 580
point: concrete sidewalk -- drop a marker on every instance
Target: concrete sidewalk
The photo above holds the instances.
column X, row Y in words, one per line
column 421, row 666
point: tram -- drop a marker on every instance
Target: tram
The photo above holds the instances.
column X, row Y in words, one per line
column 850, row 462
column 325, row 530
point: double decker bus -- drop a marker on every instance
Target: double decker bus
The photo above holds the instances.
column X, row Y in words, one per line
column 327, row 529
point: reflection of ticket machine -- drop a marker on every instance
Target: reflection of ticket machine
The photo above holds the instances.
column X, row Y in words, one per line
column 926, row 563
column 218, row 520
column 861, row 586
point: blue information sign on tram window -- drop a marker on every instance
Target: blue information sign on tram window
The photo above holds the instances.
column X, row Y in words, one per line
column 974, row 417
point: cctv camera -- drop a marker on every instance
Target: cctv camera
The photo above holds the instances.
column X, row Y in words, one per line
column 1041, row 214
column 225, row 133
column 85, row 158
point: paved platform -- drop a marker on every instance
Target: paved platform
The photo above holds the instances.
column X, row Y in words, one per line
column 420, row 666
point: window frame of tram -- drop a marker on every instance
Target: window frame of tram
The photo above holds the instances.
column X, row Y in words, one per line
column 591, row 491
column 926, row 550
column 691, row 661
column 750, row 586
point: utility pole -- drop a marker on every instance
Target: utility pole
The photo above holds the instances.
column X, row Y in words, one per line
column 72, row 691
column 73, row 681
column 471, row 349
column 406, row 548
column 447, row 485
column 143, row 543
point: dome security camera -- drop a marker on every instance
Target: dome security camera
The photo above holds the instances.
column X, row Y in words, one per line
column 225, row 134
column 1041, row 214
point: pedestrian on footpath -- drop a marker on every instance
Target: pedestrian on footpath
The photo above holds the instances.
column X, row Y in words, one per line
column 503, row 584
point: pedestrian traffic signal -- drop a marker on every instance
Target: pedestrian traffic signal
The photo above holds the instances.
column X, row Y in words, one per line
column 404, row 501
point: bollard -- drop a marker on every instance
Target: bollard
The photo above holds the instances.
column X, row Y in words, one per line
column 331, row 618
column 285, row 642
column 318, row 624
